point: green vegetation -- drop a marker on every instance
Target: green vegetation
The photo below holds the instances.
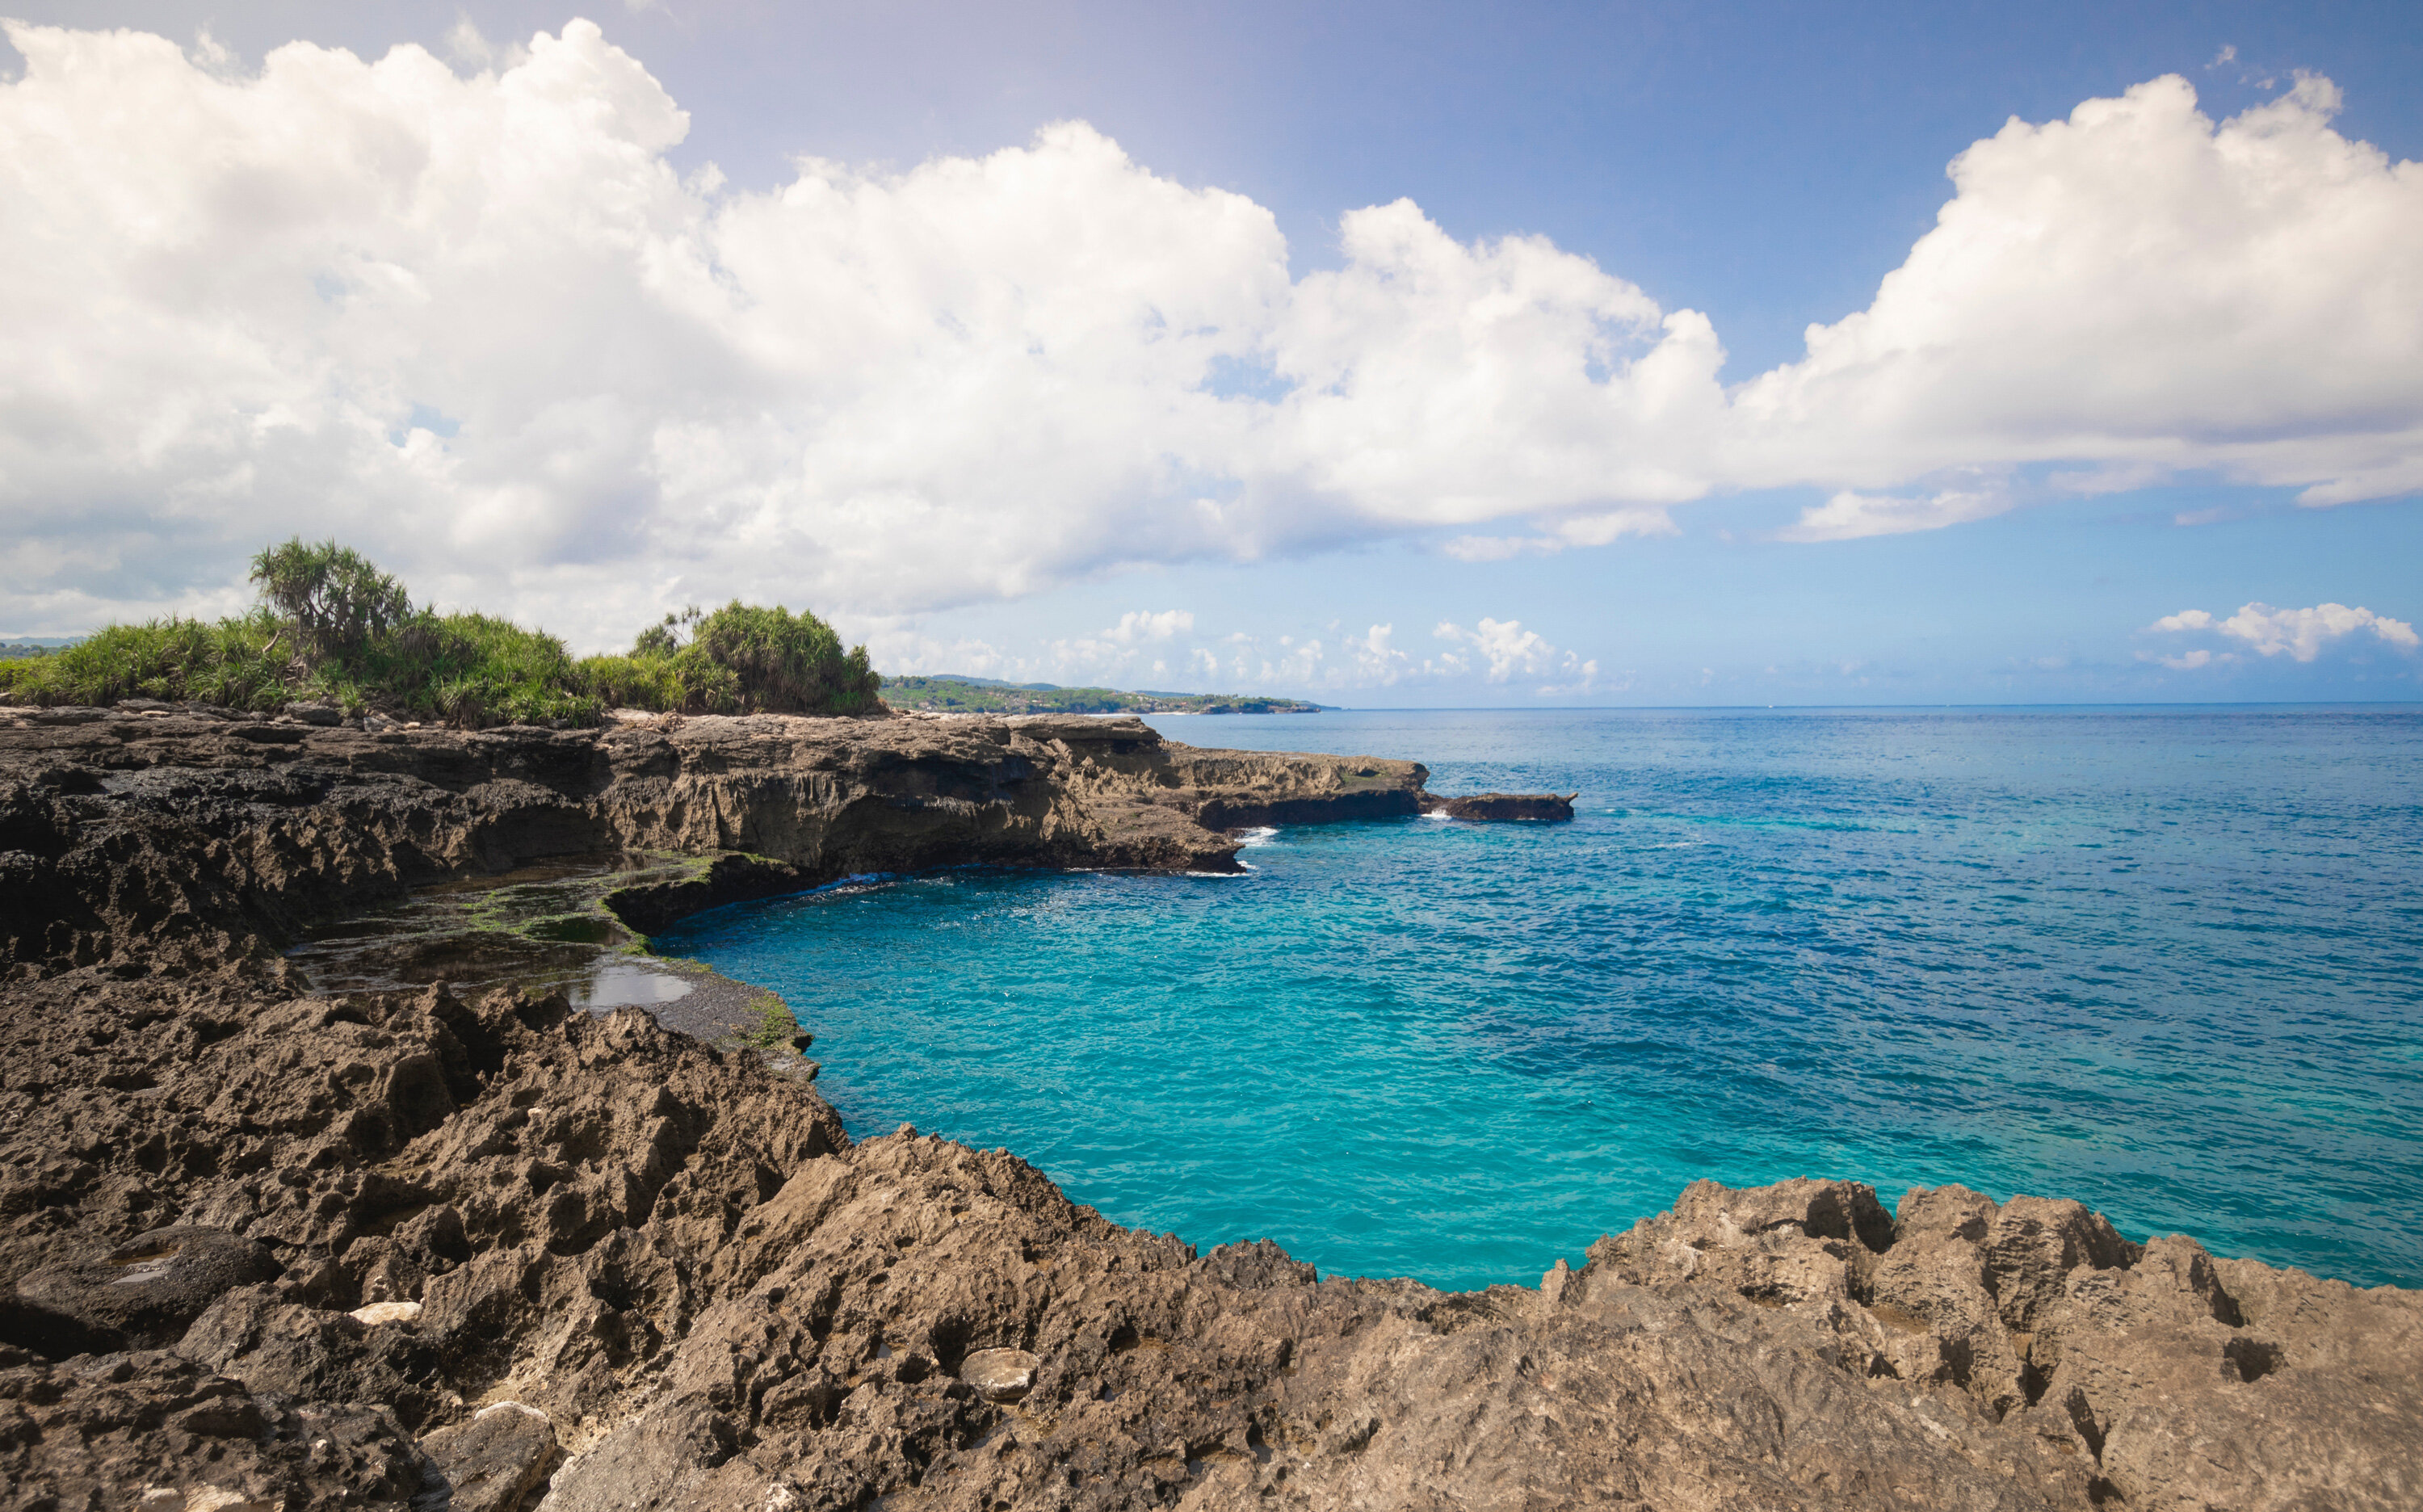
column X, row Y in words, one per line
column 227, row 663
column 743, row 659
column 331, row 628
column 329, row 598
column 983, row 696
column 772, row 1025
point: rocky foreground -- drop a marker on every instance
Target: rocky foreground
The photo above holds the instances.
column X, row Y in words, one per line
column 263, row 1250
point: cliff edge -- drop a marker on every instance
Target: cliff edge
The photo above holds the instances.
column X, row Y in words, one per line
column 187, row 838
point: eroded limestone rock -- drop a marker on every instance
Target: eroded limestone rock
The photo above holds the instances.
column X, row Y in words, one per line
column 143, row 1292
column 153, row 1430
column 189, row 840
column 493, row 1462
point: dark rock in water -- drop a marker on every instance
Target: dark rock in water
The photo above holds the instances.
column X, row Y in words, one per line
column 673, row 1252
column 1505, row 808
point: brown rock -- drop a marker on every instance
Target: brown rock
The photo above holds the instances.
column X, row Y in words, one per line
column 115, row 829
column 143, row 1292
column 151, row 1430
column 495, row 1461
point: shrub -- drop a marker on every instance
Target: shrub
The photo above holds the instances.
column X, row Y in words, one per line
column 666, row 682
column 466, row 669
column 787, row 664
column 742, row 659
column 663, row 640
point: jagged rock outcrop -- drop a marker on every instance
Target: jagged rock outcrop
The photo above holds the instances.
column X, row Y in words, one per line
column 671, row 1256
column 425, row 1249
column 2169, row 1377
column 494, row 1460
column 190, row 838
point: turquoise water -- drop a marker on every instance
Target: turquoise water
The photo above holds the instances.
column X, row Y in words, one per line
column 2163, row 961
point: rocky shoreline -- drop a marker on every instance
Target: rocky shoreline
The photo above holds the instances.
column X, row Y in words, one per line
column 263, row 1247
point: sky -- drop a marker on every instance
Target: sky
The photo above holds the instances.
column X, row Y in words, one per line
column 1385, row 354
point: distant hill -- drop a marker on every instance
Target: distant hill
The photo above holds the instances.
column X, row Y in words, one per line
column 989, row 695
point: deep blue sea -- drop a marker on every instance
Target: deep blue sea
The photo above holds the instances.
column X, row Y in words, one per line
column 2167, row 960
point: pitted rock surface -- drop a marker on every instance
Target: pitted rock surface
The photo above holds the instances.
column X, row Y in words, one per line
column 670, row 1256
column 154, row 1431
column 143, row 1293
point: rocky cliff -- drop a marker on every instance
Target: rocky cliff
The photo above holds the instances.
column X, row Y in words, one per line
column 188, row 839
column 261, row 1248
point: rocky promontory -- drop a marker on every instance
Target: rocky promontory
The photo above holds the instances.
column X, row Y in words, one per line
column 263, row 1248
column 187, row 838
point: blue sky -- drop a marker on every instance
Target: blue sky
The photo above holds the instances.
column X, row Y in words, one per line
column 1763, row 166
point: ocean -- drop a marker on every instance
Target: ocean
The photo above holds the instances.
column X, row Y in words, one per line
column 2167, row 960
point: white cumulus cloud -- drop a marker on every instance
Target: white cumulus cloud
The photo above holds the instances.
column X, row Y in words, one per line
column 1143, row 625
column 1509, row 651
column 1848, row 514
column 2297, row 633
column 2137, row 286
column 480, row 327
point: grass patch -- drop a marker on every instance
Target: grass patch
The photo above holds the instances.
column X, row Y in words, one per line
column 771, row 1026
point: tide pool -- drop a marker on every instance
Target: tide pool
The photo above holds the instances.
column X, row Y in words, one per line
column 2168, row 961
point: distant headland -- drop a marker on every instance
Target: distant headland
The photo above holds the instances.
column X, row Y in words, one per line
column 950, row 694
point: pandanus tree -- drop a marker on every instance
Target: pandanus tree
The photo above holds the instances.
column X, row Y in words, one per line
column 331, row 601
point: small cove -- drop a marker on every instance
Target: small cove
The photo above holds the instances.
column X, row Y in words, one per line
column 2168, row 961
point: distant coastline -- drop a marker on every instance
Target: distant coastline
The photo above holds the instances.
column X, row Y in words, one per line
column 955, row 695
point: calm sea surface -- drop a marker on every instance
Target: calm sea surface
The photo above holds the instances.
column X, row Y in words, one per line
column 2169, row 961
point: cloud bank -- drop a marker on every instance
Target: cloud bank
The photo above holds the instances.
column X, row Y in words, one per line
column 478, row 325
column 2300, row 634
